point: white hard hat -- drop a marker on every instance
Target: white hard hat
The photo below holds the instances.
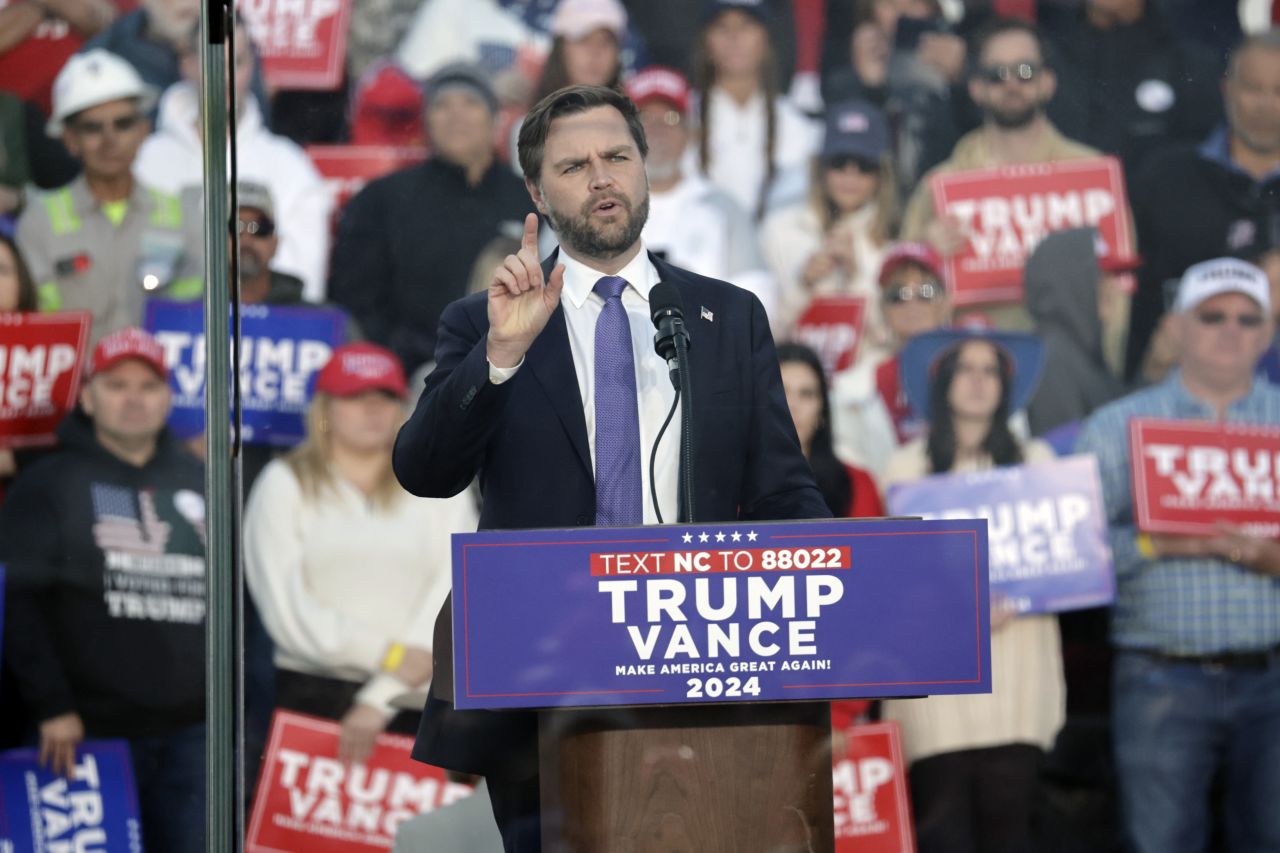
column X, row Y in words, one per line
column 91, row 78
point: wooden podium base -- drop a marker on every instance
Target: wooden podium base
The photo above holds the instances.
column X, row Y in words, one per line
column 687, row 779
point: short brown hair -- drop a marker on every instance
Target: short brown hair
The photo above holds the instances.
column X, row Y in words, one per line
column 569, row 101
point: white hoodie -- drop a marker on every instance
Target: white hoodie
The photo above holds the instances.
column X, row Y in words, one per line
column 171, row 159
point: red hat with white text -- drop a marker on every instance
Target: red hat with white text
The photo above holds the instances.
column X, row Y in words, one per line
column 129, row 343
column 658, row 83
column 356, row 368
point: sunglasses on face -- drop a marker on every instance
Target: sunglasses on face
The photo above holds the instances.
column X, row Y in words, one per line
column 122, row 124
column 925, row 292
column 1021, row 72
column 260, row 227
column 1217, row 318
column 843, row 161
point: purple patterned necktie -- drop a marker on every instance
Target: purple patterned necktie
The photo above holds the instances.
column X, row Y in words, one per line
column 619, row 498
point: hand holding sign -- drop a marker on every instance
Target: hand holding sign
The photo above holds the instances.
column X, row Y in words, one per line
column 1253, row 552
column 947, row 234
column 520, row 303
column 59, row 737
column 360, row 729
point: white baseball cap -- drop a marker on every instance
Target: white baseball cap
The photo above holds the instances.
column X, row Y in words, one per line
column 91, row 78
column 575, row 19
column 1222, row 275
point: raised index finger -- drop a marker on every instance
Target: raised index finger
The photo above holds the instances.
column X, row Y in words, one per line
column 530, row 239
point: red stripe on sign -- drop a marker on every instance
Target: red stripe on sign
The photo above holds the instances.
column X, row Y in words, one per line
column 729, row 560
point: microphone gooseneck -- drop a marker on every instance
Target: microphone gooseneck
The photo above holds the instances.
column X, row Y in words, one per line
column 671, row 342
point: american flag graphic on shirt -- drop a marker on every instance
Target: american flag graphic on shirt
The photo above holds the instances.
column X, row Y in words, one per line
column 122, row 523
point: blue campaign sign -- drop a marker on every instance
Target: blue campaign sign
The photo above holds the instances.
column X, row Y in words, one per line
column 96, row 809
column 725, row 612
column 1047, row 530
column 283, row 347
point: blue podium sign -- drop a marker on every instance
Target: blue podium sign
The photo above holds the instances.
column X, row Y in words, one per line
column 725, row 612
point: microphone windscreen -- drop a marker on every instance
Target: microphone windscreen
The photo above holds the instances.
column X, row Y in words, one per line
column 664, row 301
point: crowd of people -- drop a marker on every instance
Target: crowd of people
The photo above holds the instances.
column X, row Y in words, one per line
column 793, row 149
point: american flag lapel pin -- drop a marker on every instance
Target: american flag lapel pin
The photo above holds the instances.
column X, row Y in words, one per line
column 706, row 314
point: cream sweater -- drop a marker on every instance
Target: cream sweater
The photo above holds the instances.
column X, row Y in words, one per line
column 1028, row 699
column 337, row 579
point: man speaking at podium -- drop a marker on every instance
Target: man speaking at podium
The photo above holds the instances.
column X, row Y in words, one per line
column 549, row 388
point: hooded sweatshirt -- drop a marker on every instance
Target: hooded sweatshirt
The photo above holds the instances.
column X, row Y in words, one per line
column 106, row 583
column 1062, row 297
column 172, row 160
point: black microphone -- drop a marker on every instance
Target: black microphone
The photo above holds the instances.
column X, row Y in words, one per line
column 668, row 317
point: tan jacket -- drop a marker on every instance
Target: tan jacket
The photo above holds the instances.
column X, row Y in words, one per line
column 973, row 152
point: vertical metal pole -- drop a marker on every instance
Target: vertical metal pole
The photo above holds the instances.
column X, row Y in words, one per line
column 223, row 834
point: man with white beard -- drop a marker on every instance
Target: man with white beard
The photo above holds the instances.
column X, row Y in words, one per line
column 691, row 223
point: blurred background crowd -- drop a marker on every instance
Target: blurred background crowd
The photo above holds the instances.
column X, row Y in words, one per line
column 793, row 147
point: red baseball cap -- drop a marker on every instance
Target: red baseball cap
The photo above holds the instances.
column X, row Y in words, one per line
column 356, row 368
column 920, row 254
column 128, row 343
column 659, row 83
column 1109, row 261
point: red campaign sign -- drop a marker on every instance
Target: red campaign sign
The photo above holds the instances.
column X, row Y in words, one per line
column 302, row 43
column 347, row 168
column 872, row 811
column 1006, row 211
column 1188, row 475
column 832, row 327
column 41, row 357
column 309, row 800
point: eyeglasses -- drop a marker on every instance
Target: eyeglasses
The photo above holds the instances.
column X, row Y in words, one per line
column 840, row 162
column 121, row 124
column 925, row 292
column 1022, row 72
column 261, row 227
column 1217, row 318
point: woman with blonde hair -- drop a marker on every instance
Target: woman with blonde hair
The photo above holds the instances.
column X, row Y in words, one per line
column 347, row 569
column 752, row 142
column 833, row 243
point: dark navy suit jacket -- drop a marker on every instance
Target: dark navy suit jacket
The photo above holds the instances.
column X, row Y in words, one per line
column 527, row 441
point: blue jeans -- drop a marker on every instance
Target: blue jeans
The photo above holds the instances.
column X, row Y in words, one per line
column 169, row 770
column 1175, row 726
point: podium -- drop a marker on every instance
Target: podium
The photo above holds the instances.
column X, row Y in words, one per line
column 681, row 673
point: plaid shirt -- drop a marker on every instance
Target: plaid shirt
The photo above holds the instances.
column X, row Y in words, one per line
column 1179, row 606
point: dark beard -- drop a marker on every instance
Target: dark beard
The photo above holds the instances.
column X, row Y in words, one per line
column 577, row 233
column 251, row 265
column 1006, row 120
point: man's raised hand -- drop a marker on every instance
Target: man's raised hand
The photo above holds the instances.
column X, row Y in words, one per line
column 520, row 303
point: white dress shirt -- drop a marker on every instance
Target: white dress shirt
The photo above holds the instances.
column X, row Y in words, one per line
column 654, row 392
column 737, row 142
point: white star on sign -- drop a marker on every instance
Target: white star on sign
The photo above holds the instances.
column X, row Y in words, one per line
column 751, row 536
column 720, row 537
column 688, row 537
column 702, row 537
column 737, row 537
